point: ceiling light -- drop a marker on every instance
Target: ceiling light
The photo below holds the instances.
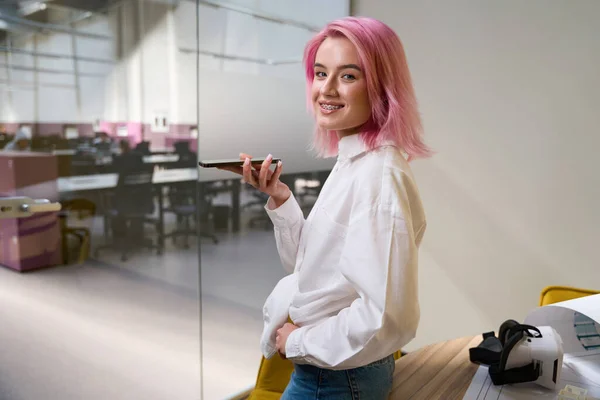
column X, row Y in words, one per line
column 28, row 8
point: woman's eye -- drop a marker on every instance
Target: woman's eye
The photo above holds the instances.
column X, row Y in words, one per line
column 349, row 77
column 319, row 74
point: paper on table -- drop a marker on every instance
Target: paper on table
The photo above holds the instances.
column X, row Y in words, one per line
column 578, row 323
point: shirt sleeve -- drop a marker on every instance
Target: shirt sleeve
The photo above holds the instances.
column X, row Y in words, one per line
column 379, row 260
column 288, row 221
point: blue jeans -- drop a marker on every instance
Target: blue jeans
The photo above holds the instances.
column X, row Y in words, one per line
column 371, row 382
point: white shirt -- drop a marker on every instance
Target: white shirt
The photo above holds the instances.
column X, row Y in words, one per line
column 353, row 288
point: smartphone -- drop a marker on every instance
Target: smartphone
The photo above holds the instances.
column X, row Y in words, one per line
column 233, row 162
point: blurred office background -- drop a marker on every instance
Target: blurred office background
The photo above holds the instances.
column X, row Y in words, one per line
column 154, row 282
column 109, row 90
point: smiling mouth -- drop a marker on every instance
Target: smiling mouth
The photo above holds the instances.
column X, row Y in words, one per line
column 330, row 107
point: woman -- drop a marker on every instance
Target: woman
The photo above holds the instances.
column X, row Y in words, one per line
column 352, row 294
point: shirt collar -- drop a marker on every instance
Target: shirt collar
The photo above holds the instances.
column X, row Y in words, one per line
column 350, row 146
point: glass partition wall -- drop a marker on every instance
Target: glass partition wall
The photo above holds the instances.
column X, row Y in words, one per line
column 106, row 301
column 149, row 282
column 251, row 99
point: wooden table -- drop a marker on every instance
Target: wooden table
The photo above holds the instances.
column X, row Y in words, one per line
column 439, row 371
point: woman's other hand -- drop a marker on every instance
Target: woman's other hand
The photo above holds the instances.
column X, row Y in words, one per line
column 263, row 178
column 282, row 336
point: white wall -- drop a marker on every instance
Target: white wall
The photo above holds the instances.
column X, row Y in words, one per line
column 93, row 89
column 18, row 103
column 510, row 93
column 58, row 102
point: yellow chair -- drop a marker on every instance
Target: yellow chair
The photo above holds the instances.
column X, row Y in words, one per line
column 556, row 294
column 81, row 209
column 274, row 376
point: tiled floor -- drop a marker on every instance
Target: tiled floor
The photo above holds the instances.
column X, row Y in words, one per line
column 112, row 330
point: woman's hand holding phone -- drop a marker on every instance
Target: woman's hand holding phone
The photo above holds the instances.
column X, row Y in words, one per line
column 263, row 178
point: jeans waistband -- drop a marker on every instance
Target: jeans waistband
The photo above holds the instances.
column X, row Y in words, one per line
column 385, row 360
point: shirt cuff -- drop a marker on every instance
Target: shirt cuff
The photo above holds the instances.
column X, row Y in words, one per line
column 293, row 345
column 287, row 214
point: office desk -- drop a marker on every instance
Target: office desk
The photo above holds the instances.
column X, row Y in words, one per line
column 109, row 181
column 160, row 178
column 84, row 183
column 160, row 158
column 439, row 371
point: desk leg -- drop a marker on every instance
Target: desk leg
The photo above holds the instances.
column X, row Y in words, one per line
column 161, row 219
column 62, row 219
column 103, row 199
column 235, row 205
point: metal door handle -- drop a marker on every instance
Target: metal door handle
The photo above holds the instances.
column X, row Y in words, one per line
column 21, row 207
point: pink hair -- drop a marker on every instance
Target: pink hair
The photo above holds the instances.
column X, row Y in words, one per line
column 394, row 111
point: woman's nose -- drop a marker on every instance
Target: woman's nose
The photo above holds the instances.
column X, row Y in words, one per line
column 329, row 88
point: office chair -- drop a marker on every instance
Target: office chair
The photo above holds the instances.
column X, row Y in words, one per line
column 556, row 294
column 75, row 143
column 183, row 200
column 183, row 203
column 132, row 206
column 40, row 143
column 182, row 147
column 61, row 144
column 82, row 163
column 187, row 158
column 143, row 148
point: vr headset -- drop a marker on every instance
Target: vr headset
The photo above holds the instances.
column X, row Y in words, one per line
column 521, row 353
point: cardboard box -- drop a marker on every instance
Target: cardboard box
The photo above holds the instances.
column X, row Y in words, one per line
column 33, row 242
